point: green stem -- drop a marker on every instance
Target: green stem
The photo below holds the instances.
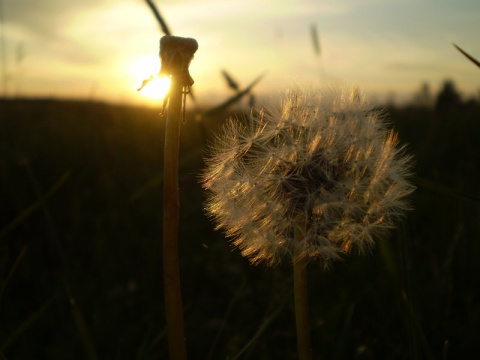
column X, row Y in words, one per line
column 171, row 205
column 301, row 302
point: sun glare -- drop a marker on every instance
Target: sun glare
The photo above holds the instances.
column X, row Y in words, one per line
column 156, row 87
column 150, row 86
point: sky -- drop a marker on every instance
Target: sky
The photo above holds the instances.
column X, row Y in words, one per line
column 103, row 49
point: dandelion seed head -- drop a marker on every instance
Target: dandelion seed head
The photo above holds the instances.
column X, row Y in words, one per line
column 322, row 159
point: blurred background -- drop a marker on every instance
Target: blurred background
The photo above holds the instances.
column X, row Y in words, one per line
column 81, row 162
column 103, row 49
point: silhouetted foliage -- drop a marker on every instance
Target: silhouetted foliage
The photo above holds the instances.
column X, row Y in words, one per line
column 94, row 172
column 448, row 98
column 424, row 97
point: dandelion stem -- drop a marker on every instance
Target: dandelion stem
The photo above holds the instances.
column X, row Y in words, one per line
column 176, row 54
column 171, row 205
column 301, row 301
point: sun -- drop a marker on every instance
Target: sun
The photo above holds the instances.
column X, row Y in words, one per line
column 142, row 70
column 155, row 87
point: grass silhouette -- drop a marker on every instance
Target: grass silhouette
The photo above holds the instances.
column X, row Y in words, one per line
column 418, row 285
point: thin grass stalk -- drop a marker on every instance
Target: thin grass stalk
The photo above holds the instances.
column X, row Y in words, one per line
column 171, row 208
column 28, row 211
column 12, row 271
column 301, row 302
column 80, row 324
column 24, row 326
column 263, row 326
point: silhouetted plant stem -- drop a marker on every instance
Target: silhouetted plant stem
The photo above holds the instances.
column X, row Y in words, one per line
column 176, row 54
column 171, row 206
column 301, row 302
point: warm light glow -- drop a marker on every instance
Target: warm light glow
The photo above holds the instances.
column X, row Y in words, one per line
column 156, row 88
column 141, row 70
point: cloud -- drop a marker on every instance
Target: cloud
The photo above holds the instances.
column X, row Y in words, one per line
column 45, row 18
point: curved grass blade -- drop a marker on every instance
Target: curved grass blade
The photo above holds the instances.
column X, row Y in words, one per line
column 417, row 342
column 157, row 180
column 80, row 325
column 161, row 21
column 232, row 84
column 442, row 189
column 468, row 56
column 12, row 270
column 227, row 314
column 141, row 351
column 147, row 350
column 34, row 207
column 315, row 39
column 264, row 325
column 25, row 325
column 233, row 99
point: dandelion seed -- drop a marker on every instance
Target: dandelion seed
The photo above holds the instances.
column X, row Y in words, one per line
column 324, row 162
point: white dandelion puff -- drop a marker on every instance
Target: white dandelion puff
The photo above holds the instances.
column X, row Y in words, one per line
column 324, row 163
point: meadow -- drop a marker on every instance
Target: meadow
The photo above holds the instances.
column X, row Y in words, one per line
column 81, row 246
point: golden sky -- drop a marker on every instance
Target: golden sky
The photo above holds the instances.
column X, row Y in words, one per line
column 103, row 49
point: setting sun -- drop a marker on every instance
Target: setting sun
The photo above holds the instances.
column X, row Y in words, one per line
column 149, row 85
column 155, row 87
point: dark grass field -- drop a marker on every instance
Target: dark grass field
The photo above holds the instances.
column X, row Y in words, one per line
column 80, row 247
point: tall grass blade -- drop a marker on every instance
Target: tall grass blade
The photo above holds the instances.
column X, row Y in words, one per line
column 28, row 211
column 142, row 349
column 445, row 190
column 48, row 218
column 147, row 349
column 388, row 257
column 219, row 108
column 225, row 318
column 232, row 84
column 343, row 335
column 161, row 21
column 81, row 326
column 25, row 325
column 416, row 333
column 263, row 326
column 12, row 270
column 193, row 155
column 315, row 39
column 468, row 56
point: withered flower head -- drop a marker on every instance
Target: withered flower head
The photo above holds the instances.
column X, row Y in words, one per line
column 176, row 53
